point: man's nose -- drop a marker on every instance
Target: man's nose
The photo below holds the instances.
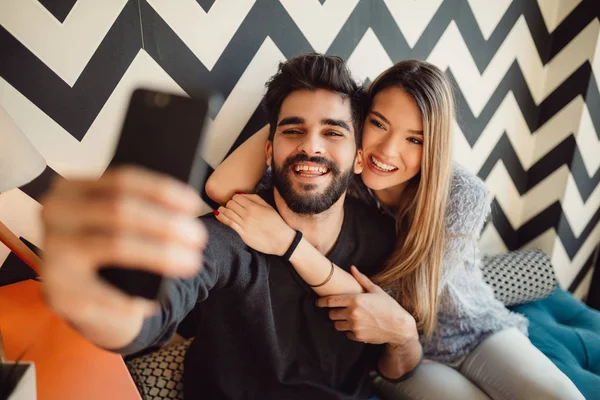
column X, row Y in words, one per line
column 312, row 143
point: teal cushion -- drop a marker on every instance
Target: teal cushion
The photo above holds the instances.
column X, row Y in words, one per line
column 568, row 332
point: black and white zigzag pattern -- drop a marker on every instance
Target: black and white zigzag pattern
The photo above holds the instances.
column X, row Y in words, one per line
column 525, row 72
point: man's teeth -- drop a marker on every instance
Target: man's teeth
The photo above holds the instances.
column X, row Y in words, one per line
column 382, row 166
column 320, row 170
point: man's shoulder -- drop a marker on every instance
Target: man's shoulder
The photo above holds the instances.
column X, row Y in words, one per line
column 222, row 234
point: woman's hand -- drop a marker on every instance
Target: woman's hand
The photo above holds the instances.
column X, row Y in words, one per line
column 257, row 223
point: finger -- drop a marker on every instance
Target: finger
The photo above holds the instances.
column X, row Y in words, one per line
column 352, row 336
column 96, row 249
column 335, row 301
column 232, row 216
column 364, row 281
column 235, row 206
column 245, row 200
column 151, row 185
column 256, row 199
column 339, row 314
column 342, row 326
column 129, row 214
column 224, row 219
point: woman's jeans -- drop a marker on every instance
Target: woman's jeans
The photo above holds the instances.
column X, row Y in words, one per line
column 504, row 366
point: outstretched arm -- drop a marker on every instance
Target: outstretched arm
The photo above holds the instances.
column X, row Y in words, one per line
column 263, row 229
column 241, row 171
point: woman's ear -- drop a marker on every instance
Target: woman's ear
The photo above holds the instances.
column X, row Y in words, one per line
column 358, row 162
column 269, row 152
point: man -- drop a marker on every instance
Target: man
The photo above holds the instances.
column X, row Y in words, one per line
column 261, row 334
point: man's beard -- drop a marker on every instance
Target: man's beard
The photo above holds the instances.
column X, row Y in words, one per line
column 306, row 202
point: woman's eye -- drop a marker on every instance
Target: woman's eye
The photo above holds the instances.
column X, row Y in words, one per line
column 415, row 141
column 377, row 124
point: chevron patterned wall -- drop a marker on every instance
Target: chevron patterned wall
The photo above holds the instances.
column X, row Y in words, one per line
column 525, row 73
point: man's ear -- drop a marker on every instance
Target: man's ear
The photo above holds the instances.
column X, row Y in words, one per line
column 269, row 152
column 358, row 162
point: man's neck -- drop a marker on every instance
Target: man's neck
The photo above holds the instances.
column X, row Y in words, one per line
column 320, row 230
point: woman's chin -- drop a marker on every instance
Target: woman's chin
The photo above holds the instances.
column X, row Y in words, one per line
column 374, row 182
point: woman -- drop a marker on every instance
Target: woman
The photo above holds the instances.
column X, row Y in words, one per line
column 434, row 271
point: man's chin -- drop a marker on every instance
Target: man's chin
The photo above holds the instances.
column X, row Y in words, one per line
column 308, row 192
column 309, row 189
column 310, row 196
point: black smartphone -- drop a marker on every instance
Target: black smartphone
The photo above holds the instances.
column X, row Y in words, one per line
column 162, row 132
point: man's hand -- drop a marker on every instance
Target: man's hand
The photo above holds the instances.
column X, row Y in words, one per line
column 370, row 317
column 375, row 317
column 129, row 217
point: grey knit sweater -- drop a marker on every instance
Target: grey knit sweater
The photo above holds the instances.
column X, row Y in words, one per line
column 468, row 311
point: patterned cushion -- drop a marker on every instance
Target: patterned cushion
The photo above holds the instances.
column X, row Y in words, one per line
column 519, row 276
column 159, row 375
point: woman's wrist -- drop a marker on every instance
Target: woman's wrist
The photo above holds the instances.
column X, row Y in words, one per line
column 286, row 240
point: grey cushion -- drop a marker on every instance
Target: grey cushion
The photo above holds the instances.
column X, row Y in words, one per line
column 519, row 276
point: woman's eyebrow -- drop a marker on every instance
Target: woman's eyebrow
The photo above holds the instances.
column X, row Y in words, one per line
column 380, row 115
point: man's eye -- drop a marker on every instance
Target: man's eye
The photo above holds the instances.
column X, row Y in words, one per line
column 291, row 132
column 377, row 124
column 334, row 134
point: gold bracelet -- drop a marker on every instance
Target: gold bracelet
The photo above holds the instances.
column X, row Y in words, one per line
column 328, row 278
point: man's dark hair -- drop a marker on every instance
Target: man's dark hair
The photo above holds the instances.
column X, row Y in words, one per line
column 313, row 71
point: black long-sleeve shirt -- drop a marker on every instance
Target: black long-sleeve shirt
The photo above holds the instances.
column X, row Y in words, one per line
column 260, row 334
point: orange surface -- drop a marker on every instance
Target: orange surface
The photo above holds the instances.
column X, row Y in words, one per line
column 67, row 365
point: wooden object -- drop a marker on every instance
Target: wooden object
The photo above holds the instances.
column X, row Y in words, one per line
column 19, row 248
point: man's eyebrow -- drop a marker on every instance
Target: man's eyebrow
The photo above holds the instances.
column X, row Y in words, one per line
column 336, row 122
column 291, row 121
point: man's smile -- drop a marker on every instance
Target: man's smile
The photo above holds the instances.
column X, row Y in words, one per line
column 309, row 170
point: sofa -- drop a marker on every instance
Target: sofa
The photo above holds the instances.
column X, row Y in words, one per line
column 568, row 332
column 561, row 326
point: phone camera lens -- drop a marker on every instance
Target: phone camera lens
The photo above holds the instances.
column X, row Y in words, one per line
column 161, row 100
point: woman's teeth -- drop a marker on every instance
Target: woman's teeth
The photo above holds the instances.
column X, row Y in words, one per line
column 382, row 166
column 310, row 170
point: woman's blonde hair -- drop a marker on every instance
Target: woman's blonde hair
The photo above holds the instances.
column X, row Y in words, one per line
column 414, row 270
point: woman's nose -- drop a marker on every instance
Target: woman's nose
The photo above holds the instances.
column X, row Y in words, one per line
column 391, row 146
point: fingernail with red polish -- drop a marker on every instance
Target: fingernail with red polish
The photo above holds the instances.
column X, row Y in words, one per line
column 240, row 193
column 216, row 212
